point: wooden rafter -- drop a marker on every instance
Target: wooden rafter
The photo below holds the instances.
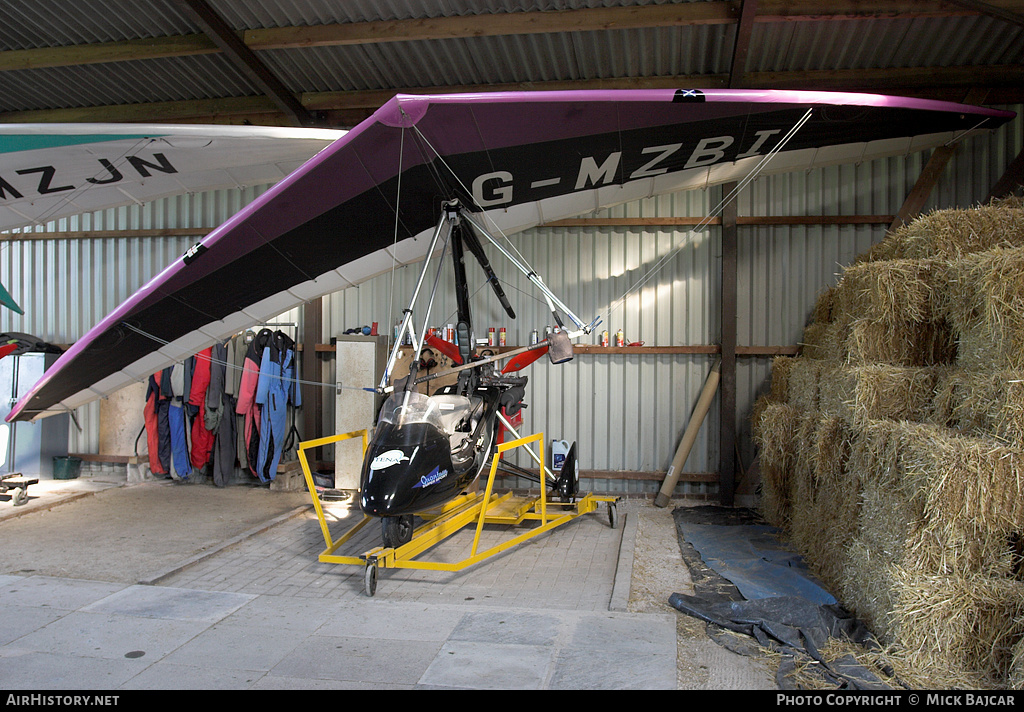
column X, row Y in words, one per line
column 349, row 107
column 245, row 59
column 1011, row 181
column 991, row 9
column 496, row 24
column 741, row 46
column 931, row 174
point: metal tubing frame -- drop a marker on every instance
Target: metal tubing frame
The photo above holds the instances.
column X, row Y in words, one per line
column 531, row 275
column 407, row 319
column 445, row 521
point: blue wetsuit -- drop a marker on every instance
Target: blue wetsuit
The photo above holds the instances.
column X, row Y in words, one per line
column 277, row 388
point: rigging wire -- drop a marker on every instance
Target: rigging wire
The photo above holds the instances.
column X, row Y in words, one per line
column 394, row 243
column 752, row 175
column 243, row 369
column 747, row 179
column 469, row 192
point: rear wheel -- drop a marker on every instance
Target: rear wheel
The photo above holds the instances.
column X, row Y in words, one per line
column 568, row 484
column 396, row 530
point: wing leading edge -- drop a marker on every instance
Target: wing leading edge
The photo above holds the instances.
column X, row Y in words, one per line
column 519, row 158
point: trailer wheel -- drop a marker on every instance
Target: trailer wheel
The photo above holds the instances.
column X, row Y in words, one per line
column 613, row 516
column 370, row 579
column 19, row 496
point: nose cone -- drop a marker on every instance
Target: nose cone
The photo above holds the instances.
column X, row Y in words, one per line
column 396, row 476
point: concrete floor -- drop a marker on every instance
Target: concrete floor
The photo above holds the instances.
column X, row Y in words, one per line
column 257, row 610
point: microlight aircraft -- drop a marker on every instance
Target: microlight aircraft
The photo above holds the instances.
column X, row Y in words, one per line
column 468, row 166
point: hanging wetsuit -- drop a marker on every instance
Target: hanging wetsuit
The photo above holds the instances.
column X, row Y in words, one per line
column 163, row 419
column 220, row 416
column 159, row 451
column 202, row 438
column 247, row 404
column 277, row 388
column 181, row 467
column 236, row 357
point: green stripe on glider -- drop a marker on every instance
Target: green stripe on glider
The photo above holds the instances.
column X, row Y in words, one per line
column 33, row 142
column 8, row 301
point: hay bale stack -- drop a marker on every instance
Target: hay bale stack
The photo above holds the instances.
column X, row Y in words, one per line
column 984, row 302
column 895, row 444
column 986, row 402
column 954, row 233
column 774, row 433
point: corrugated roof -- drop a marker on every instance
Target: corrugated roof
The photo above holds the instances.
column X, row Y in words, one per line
column 700, row 54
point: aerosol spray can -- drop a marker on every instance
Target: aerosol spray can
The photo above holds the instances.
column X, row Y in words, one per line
column 501, row 337
column 491, row 337
column 534, row 337
column 604, row 338
column 620, row 338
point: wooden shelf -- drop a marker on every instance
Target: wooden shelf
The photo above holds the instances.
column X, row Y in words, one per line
column 693, row 349
column 638, row 350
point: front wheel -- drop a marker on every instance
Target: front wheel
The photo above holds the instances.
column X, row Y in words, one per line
column 396, row 530
column 370, row 580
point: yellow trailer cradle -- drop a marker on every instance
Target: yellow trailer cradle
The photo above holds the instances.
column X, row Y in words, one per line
column 468, row 508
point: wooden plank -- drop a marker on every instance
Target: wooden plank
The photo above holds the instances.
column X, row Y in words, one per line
column 494, row 24
column 990, row 9
column 104, row 52
column 932, row 172
column 1011, row 180
column 767, row 350
column 741, row 45
column 635, row 475
column 312, row 396
column 743, row 220
column 245, row 59
column 1005, row 83
column 585, row 222
column 645, row 350
column 918, row 195
column 649, row 350
column 727, row 384
column 107, row 234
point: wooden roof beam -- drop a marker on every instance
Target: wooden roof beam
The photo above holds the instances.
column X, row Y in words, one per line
column 1011, row 181
column 491, row 24
column 931, row 173
column 992, row 10
column 245, row 59
column 741, row 47
column 945, row 83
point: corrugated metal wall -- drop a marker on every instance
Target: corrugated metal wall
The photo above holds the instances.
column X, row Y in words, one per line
column 627, row 412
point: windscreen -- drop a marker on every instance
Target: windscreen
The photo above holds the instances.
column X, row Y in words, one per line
column 409, row 407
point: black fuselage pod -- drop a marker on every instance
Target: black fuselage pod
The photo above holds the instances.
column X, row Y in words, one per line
column 409, row 467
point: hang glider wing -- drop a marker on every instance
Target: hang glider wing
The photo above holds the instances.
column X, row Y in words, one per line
column 50, row 171
column 356, row 208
